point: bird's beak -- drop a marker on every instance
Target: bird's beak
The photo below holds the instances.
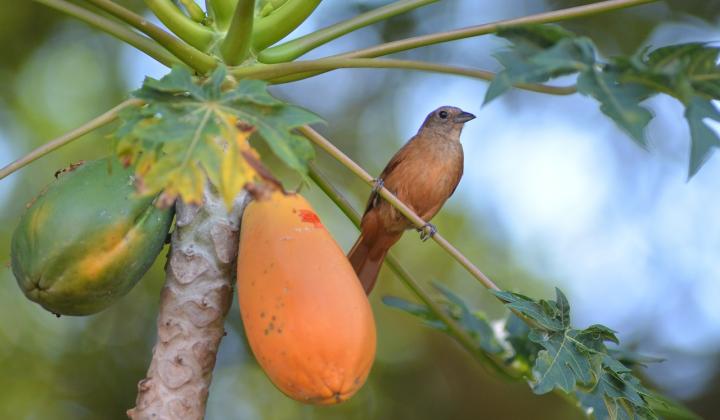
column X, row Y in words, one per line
column 464, row 117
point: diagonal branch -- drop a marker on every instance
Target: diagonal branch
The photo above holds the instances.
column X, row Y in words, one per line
column 336, row 153
column 66, row 138
column 115, row 29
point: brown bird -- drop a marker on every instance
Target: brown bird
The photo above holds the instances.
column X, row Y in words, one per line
column 423, row 174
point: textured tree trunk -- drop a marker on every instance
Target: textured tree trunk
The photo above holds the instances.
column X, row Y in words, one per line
column 195, row 299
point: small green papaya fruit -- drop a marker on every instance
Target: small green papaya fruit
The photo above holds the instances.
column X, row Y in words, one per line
column 87, row 239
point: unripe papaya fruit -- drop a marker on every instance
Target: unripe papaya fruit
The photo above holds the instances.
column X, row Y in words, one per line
column 306, row 315
column 87, row 239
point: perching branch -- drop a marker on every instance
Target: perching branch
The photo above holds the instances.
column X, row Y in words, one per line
column 198, row 292
column 236, row 45
column 287, row 72
column 297, row 47
column 187, row 53
column 341, row 157
column 66, row 138
column 115, row 29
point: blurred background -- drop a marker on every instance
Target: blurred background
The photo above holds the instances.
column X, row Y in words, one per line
column 554, row 195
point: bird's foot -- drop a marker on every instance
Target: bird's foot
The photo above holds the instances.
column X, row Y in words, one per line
column 427, row 231
column 378, row 184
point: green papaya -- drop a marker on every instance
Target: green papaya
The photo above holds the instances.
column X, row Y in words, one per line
column 87, row 239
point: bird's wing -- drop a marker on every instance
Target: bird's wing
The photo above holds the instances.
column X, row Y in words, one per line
column 374, row 199
column 459, row 173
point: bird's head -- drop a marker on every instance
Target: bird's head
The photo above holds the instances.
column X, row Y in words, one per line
column 447, row 119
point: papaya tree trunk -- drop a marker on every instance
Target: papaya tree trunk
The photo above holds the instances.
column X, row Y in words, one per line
column 197, row 294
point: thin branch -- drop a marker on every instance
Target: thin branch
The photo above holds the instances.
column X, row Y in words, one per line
column 297, row 47
column 471, row 31
column 115, row 29
column 194, row 33
column 187, row 53
column 236, row 45
column 277, row 73
column 338, row 155
column 275, row 26
column 454, row 329
column 66, row 138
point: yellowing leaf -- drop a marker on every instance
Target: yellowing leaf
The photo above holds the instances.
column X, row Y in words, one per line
column 188, row 132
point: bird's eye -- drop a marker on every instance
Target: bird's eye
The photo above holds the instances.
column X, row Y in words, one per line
column 443, row 114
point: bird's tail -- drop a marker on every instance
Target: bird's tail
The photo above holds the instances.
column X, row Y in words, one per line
column 367, row 256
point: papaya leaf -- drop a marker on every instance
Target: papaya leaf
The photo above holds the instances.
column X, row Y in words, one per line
column 190, row 130
column 540, row 344
column 475, row 324
column 689, row 72
column 704, row 139
column 619, row 101
column 538, row 54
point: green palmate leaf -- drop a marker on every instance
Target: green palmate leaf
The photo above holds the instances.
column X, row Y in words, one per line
column 540, row 344
column 475, row 324
column 704, row 139
column 688, row 72
column 575, row 361
column 545, row 314
column 538, row 54
column 669, row 409
column 525, row 351
column 188, row 130
column 619, row 101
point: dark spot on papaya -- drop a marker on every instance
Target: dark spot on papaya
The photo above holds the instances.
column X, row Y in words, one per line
column 262, row 314
column 273, row 318
column 266, row 331
column 357, row 381
column 271, row 326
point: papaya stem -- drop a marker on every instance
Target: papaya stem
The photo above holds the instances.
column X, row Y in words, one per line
column 196, row 297
column 66, row 138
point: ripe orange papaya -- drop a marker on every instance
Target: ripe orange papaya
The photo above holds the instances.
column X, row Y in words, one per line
column 87, row 239
column 306, row 315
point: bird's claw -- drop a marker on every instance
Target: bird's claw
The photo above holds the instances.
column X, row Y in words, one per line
column 427, row 231
column 378, row 184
